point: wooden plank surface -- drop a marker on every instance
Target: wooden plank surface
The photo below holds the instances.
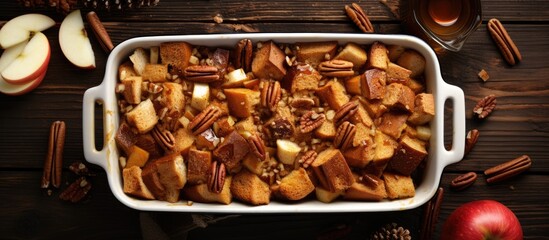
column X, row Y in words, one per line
column 519, row 125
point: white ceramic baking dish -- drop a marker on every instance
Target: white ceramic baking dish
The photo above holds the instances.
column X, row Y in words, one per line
column 438, row 157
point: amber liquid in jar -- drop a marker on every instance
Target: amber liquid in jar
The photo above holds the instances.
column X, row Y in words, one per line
column 447, row 21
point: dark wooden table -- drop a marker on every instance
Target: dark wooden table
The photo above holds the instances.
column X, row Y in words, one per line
column 519, row 125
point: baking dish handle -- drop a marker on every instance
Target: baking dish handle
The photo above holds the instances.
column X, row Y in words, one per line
column 456, row 95
column 91, row 153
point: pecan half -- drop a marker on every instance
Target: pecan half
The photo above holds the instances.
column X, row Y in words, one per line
column 430, row 214
column 243, row 55
column 345, row 112
column 344, row 135
column 508, row 169
column 53, row 164
column 310, row 121
column 302, row 102
column 217, row 178
column 485, row 106
column 463, row 181
column 164, row 138
column 201, row 73
column 257, row 146
column 99, row 31
column 505, row 44
column 336, row 68
column 359, row 17
column 76, row 191
column 270, row 94
column 471, row 140
column 370, row 180
column 204, row 119
column 308, row 158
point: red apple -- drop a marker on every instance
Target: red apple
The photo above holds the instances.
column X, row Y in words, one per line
column 74, row 41
column 30, row 63
column 22, row 27
column 7, row 58
column 482, row 220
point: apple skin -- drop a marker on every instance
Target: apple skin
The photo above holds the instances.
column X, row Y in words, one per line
column 482, row 220
column 20, row 28
column 16, row 90
column 74, row 41
column 30, row 63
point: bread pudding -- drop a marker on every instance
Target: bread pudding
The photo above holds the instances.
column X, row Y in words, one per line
column 270, row 121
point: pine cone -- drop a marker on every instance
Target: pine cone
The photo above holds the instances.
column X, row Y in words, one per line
column 66, row 6
column 392, row 232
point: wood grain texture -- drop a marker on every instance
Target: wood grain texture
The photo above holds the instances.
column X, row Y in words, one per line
column 519, row 125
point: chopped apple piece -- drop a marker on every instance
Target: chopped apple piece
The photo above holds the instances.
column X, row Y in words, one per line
column 287, row 151
column 201, row 96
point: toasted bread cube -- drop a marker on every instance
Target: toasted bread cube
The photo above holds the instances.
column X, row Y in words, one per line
column 372, row 84
column 155, row 73
column 334, row 94
column 245, row 125
column 253, row 163
column 408, row 155
column 296, row 185
column 138, row 157
column 415, row 85
column 398, row 96
column 352, row 85
column 126, row 70
column 360, row 156
column 326, row 131
column 154, row 55
column 326, row 196
column 143, row 117
column 133, row 183
column 315, row 52
column 354, row 53
column 301, row 77
column 132, row 89
column 232, row 151
column 374, row 107
column 173, row 96
column 241, row 101
column 424, row 109
column 363, row 134
column 140, row 58
column 125, row 138
column 361, row 116
column 184, row 140
column 147, row 143
column 395, row 51
column 398, row 186
column 423, row 133
column 199, row 164
column 269, row 61
column 392, row 123
column 395, row 71
column 223, row 126
column 201, row 193
column 249, row 188
column 412, row 60
column 151, row 178
column 384, row 151
column 361, row 192
column 378, row 56
column 332, row 170
column 172, row 171
column 176, row 55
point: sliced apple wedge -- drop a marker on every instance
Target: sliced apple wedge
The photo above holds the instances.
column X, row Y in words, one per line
column 30, row 63
column 74, row 41
column 8, row 57
column 22, row 27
